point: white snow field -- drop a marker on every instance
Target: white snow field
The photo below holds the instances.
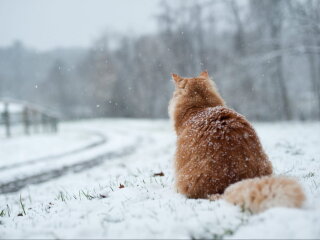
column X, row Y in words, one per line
column 120, row 197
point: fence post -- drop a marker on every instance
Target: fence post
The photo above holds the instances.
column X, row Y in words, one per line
column 26, row 121
column 6, row 118
column 54, row 124
column 44, row 122
column 35, row 117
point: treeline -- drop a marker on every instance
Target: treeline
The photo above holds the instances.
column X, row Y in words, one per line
column 263, row 54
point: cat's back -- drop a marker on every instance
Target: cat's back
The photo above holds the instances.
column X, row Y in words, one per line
column 225, row 144
column 218, row 121
column 220, row 128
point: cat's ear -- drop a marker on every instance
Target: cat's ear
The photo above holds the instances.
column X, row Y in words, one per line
column 204, row 74
column 176, row 77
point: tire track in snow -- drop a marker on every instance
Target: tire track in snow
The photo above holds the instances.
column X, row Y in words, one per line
column 102, row 140
column 16, row 185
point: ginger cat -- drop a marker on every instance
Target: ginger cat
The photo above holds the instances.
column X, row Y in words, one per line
column 217, row 147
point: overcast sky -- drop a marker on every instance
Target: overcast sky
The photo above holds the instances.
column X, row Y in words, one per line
column 47, row 24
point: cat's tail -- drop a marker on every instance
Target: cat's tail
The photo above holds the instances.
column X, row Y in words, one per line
column 259, row 194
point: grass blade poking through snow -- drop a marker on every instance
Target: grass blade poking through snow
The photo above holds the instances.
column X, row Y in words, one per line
column 22, row 207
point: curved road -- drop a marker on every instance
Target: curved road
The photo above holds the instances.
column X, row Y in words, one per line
column 102, row 140
column 79, row 166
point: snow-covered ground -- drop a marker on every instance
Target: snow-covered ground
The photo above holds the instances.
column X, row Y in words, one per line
column 21, row 149
column 120, row 197
column 13, row 107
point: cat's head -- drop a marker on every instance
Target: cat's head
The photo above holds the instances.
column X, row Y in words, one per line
column 190, row 93
column 197, row 92
column 193, row 86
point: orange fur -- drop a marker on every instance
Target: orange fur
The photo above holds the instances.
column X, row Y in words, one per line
column 216, row 146
column 259, row 194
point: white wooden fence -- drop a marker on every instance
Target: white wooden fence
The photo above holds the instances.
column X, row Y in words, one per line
column 33, row 119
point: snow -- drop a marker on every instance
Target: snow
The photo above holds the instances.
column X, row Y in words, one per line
column 23, row 148
column 90, row 204
column 13, row 107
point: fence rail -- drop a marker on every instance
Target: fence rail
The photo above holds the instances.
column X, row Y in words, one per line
column 33, row 119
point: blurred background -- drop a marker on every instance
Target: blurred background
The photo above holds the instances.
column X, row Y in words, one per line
column 87, row 59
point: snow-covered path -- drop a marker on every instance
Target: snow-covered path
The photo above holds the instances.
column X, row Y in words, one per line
column 76, row 147
column 124, row 197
